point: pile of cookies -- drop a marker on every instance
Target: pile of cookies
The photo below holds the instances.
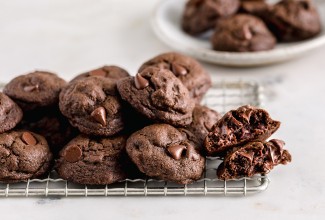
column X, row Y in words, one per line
column 105, row 125
column 251, row 25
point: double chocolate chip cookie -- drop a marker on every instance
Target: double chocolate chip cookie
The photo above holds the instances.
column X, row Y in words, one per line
column 93, row 105
column 253, row 158
column 35, row 90
column 203, row 119
column 201, row 15
column 10, row 113
column 294, row 20
column 164, row 152
column 188, row 70
column 111, row 72
column 242, row 33
column 258, row 8
column 23, row 155
column 159, row 95
column 237, row 127
column 95, row 161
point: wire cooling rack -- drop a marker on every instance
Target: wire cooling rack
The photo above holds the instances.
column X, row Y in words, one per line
column 222, row 97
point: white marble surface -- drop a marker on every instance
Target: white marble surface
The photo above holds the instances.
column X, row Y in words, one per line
column 73, row 36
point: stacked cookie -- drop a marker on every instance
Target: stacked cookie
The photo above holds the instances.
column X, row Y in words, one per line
column 251, row 25
column 105, row 125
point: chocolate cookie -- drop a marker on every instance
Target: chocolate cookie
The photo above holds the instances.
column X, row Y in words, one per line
column 23, row 155
column 294, row 20
column 187, row 69
column 159, row 95
column 201, row 15
column 203, row 120
column 95, row 161
column 237, row 127
column 10, row 113
column 253, row 158
column 93, row 105
column 255, row 7
column 242, row 33
column 163, row 152
column 35, row 90
column 111, row 72
column 52, row 125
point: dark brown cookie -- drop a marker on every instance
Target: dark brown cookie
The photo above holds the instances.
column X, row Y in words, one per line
column 203, row 120
column 255, row 7
column 111, row 72
column 163, row 152
column 201, row 15
column 10, row 113
column 237, row 127
column 159, row 95
column 95, row 161
column 23, row 155
column 52, row 125
column 253, row 158
column 294, row 20
column 35, row 90
column 187, row 69
column 242, row 33
column 93, row 105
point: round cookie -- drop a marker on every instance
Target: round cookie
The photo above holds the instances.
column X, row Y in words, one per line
column 23, row 155
column 111, row 72
column 255, row 7
column 187, row 69
column 158, row 95
column 164, row 152
column 93, row 105
column 95, row 161
column 242, row 33
column 35, row 90
column 52, row 125
column 10, row 113
column 201, row 15
column 203, row 120
column 294, row 20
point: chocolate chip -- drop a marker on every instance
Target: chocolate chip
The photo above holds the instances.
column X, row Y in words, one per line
column 140, row 81
column 178, row 70
column 98, row 72
column 28, row 138
column 99, row 114
column 73, row 154
column 31, row 88
column 247, row 32
column 176, row 151
column 191, row 153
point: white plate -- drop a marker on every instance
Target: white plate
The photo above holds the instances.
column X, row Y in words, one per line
column 166, row 24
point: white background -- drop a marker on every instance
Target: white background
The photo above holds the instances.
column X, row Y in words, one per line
column 69, row 37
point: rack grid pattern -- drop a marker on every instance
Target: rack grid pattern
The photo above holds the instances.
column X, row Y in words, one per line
column 222, row 97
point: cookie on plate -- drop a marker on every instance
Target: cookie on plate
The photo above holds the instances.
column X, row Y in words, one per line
column 242, row 33
column 294, row 20
column 10, row 113
column 23, row 155
column 93, row 105
column 187, row 69
column 94, row 161
column 159, row 95
column 35, row 90
column 164, row 152
column 111, row 72
column 237, row 127
column 253, row 158
column 201, row 15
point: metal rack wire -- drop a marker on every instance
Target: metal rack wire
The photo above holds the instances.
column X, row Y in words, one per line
column 222, row 97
